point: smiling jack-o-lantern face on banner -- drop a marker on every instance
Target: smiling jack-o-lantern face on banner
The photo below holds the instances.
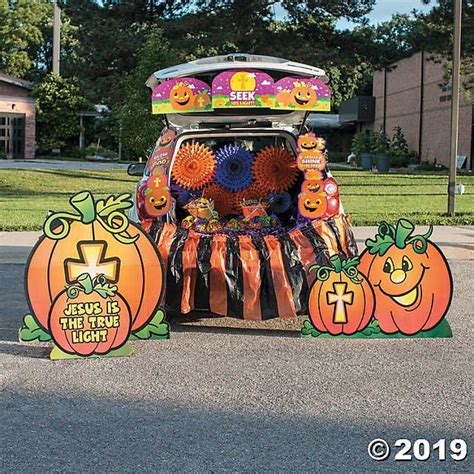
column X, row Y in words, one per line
column 302, row 93
column 410, row 277
column 180, row 96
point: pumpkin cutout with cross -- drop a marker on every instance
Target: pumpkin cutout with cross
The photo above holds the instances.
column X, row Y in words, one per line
column 341, row 300
column 97, row 239
column 410, row 276
column 89, row 317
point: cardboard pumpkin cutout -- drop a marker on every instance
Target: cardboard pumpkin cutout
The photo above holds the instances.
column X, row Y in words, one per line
column 156, row 193
column 341, row 300
column 411, row 279
column 93, row 281
column 312, row 205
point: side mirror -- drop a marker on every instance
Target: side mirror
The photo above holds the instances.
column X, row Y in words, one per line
column 136, row 169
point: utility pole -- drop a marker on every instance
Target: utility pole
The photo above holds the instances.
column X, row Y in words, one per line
column 56, row 38
column 455, row 106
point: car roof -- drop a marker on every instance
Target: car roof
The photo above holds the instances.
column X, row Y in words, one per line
column 235, row 61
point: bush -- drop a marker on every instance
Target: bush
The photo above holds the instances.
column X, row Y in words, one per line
column 400, row 156
column 362, row 142
column 3, row 155
column 380, row 144
column 97, row 150
column 374, row 143
column 426, row 166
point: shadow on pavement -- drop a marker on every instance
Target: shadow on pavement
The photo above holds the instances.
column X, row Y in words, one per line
column 32, row 351
column 51, row 432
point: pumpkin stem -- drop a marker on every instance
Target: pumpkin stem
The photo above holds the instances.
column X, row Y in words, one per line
column 403, row 231
column 84, row 203
column 336, row 263
column 85, row 281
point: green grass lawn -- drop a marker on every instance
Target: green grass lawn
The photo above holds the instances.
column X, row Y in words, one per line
column 27, row 196
column 372, row 197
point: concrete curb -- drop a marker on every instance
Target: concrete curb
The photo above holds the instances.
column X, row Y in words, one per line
column 457, row 242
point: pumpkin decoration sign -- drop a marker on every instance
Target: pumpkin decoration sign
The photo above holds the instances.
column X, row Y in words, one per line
column 407, row 285
column 87, row 283
column 411, row 278
column 341, row 300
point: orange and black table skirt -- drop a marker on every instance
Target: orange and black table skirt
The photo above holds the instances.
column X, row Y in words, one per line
column 246, row 276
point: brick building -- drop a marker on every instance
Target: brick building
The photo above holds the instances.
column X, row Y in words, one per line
column 17, row 118
column 413, row 94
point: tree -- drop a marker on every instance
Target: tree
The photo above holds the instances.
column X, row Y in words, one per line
column 21, row 28
column 138, row 128
column 26, row 37
column 354, row 10
column 438, row 30
column 57, row 102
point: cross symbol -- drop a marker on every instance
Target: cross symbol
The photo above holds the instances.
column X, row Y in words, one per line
column 200, row 100
column 92, row 261
column 339, row 299
column 243, row 81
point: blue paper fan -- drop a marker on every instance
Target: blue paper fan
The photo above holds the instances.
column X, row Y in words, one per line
column 234, row 167
column 183, row 195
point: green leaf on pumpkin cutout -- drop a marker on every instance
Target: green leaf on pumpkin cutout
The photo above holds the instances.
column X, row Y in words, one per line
column 157, row 328
column 31, row 331
column 113, row 204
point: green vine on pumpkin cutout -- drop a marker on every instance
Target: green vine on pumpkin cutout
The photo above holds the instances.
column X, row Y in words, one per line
column 108, row 213
column 88, row 285
column 337, row 265
column 401, row 236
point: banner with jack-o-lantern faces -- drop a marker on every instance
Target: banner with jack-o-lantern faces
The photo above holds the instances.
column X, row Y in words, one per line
column 93, row 281
column 241, row 88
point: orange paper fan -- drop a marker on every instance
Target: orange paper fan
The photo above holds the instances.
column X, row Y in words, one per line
column 274, row 169
column 223, row 199
column 194, row 166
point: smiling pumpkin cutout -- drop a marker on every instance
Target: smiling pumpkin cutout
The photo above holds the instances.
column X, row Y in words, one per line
column 312, row 205
column 157, row 197
column 167, row 136
column 303, row 96
column 410, row 276
column 181, row 96
column 312, row 186
column 309, row 144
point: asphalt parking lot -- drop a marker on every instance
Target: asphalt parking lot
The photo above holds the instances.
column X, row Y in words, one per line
column 224, row 395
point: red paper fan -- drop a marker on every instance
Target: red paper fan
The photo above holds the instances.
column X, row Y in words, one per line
column 274, row 169
column 194, row 166
column 223, row 199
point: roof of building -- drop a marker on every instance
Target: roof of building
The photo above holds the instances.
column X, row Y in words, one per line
column 15, row 81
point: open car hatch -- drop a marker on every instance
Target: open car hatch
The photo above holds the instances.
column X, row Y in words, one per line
column 219, row 113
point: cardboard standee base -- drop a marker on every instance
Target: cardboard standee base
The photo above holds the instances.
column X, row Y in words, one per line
column 125, row 351
column 442, row 330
